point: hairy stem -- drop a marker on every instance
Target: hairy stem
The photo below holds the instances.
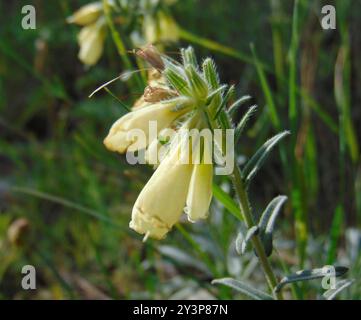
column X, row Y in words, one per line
column 248, row 219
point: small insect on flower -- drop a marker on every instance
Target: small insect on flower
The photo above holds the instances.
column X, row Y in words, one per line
column 186, row 98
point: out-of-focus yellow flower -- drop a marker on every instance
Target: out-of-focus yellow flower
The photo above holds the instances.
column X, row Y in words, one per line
column 91, row 37
column 91, row 43
column 87, row 14
column 160, row 28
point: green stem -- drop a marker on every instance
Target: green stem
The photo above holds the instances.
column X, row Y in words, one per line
column 217, row 47
column 256, row 241
column 119, row 42
column 247, row 216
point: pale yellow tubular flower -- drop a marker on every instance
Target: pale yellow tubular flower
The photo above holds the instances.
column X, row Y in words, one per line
column 162, row 112
column 161, row 202
column 140, row 103
column 200, row 188
column 87, row 14
column 91, row 43
column 159, row 148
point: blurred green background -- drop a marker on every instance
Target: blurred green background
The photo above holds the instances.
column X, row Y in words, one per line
column 74, row 198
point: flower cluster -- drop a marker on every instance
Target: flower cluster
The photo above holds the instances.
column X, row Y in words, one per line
column 182, row 97
column 150, row 22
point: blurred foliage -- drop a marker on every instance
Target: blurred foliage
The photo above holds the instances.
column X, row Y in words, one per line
column 77, row 197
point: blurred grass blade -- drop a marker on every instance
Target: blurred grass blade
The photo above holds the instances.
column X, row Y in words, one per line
column 267, row 91
column 340, row 286
column 306, row 275
column 257, row 160
column 292, row 80
column 335, row 234
column 67, row 203
column 183, row 258
column 227, row 201
column 243, row 288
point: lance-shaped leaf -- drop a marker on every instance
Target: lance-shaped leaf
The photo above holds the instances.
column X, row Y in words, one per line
column 175, row 76
column 257, row 160
column 235, row 105
column 216, row 92
column 189, row 57
column 340, row 285
column 227, row 201
column 225, row 99
column 210, row 73
column 243, row 288
column 242, row 124
column 250, row 233
column 267, row 222
column 306, row 275
column 197, row 83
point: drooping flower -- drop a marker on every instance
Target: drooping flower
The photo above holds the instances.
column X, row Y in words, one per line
column 92, row 36
column 181, row 97
column 87, row 14
column 161, row 202
column 91, row 42
column 160, row 27
column 118, row 138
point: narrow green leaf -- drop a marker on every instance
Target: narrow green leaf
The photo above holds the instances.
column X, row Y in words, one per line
column 224, row 102
column 306, row 275
column 235, row 105
column 197, row 83
column 183, row 258
column 243, row 288
column 267, row 91
column 257, row 160
column 174, row 76
column 267, row 221
column 250, row 233
column 242, row 124
column 218, row 91
column 227, row 201
column 335, row 233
